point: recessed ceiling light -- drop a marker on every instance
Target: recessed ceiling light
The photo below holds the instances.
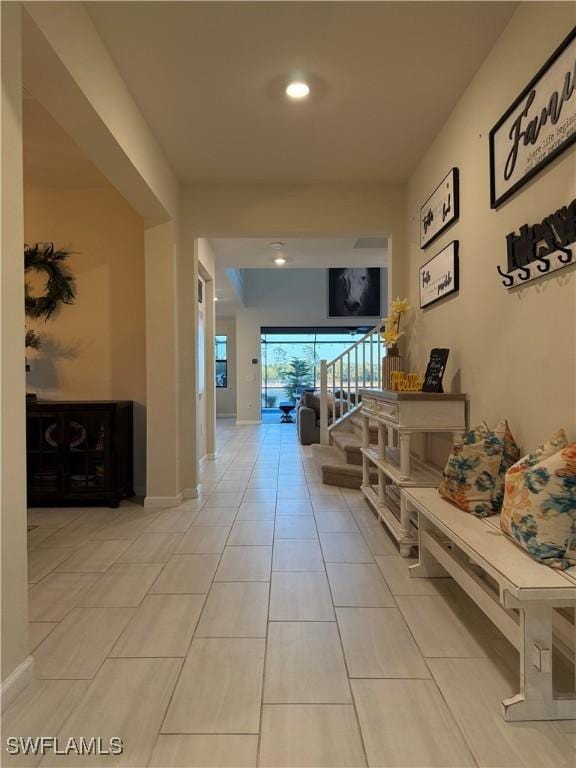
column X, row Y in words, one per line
column 297, row 90
column 276, row 245
column 280, row 260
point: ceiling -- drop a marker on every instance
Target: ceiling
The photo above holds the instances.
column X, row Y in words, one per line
column 209, row 76
column 300, row 252
column 51, row 158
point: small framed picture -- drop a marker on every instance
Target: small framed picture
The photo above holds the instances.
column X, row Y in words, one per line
column 440, row 276
column 441, row 209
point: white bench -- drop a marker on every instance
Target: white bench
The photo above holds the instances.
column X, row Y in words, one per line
column 518, row 594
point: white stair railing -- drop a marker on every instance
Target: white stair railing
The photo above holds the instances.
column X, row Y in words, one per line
column 358, row 367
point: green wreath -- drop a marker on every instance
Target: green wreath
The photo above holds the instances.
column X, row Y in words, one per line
column 60, row 288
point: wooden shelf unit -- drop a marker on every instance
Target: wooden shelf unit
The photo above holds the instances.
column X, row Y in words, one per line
column 401, row 415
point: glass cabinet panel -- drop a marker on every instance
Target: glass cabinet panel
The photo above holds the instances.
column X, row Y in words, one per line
column 87, row 437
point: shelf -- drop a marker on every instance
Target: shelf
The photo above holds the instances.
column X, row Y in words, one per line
column 390, row 520
column 422, row 475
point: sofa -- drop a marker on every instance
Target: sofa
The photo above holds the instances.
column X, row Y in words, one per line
column 308, row 416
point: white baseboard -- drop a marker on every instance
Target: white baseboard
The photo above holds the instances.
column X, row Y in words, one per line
column 16, row 682
column 190, row 493
column 225, row 415
column 243, row 423
column 160, row 502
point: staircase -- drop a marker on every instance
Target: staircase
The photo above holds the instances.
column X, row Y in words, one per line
column 340, row 463
column 338, row 457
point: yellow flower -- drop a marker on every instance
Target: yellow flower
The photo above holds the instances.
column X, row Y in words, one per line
column 391, row 336
column 400, row 305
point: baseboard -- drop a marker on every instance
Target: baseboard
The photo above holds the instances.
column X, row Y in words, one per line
column 159, row 502
column 190, row 493
column 243, row 423
column 225, row 415
column 16, row 682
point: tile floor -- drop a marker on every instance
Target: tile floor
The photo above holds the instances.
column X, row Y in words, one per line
column 270, row 623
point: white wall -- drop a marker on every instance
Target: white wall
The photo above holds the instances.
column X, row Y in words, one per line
column 283, row 297
column 226, row 398
column 512, row 353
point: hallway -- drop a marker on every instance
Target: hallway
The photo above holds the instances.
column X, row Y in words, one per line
column 271, row 623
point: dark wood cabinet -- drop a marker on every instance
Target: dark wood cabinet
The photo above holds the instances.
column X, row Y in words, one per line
column 79, row 452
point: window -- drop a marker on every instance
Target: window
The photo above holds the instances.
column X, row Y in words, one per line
column 221, row 361
column 291, row 359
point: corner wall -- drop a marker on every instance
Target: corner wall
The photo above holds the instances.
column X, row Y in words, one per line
column 512, row 353
column 95, row 348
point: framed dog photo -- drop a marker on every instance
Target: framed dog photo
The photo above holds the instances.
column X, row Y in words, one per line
column 441, row 209
column 354, row 292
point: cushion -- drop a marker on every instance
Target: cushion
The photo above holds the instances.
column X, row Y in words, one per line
column 311, row 400
column 539, row 511
column 510, row 455
column 471, row 477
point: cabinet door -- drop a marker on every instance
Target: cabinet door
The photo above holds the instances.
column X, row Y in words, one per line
column 44, row 447
column 87, row 438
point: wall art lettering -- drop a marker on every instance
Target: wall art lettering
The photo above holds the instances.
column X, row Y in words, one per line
column 440, row 275
column 540, row 124
column 541, row 248
column 441, row 209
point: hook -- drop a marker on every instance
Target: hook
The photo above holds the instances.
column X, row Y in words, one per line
column 507, row 279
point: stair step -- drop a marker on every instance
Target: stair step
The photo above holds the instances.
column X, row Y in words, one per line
column 334, row 471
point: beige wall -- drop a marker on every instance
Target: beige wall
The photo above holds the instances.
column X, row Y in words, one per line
column 284, row 210
column 512, row 353
column 16, row 671
column 96, row 348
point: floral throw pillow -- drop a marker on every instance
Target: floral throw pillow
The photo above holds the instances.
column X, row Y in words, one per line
column 471, row 476
column 539, row 510
column 510, row 455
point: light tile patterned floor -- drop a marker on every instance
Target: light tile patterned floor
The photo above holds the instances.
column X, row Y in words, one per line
column 269, row 623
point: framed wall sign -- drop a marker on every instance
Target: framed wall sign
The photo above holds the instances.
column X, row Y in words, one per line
column 440, row 210
column 540, row 124
column 435, row 370
column 439, row 277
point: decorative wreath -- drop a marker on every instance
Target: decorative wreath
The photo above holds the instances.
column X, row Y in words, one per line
column 60, row 288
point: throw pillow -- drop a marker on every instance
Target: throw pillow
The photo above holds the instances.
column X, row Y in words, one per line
column 310, row 400
column 539, row 511
column 510, row 455
column 470, row 477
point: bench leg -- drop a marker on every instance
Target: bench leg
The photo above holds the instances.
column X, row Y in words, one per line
column 427, row 566
column 536, row 698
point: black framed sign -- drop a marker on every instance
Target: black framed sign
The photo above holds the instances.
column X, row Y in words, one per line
column 440, row 276
column 435, row 370
column 441, row 209
column 540, row 124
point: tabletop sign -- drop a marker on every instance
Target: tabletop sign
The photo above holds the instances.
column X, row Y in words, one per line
column 435, row 370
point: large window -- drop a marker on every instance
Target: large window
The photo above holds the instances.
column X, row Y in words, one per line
column 221, row 362
column 291, row 359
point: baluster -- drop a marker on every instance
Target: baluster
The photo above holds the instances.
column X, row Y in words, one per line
column 379, row 367
column 341, row 386
column 356, row 373
column 371, row 361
